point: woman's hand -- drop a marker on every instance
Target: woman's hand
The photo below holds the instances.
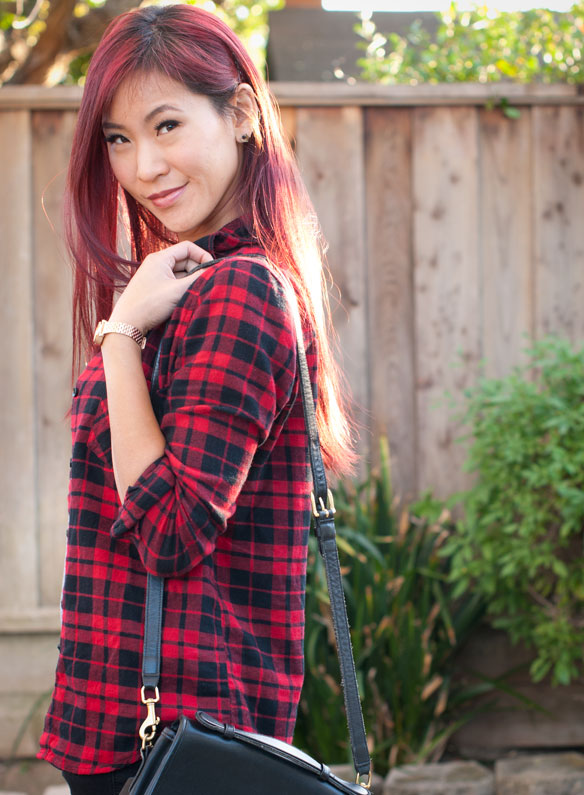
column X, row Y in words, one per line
column 158, row 285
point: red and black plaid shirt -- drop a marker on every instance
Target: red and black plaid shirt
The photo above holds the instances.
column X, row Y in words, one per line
column 223, row 515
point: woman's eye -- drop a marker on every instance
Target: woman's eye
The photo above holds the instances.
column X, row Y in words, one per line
column 115, row 138
column 166, row 126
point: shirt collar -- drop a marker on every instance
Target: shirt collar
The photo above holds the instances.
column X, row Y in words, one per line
column 228, row 239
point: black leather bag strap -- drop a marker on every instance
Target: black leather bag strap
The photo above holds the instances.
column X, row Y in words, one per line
column 324, row 525
column 323, row 514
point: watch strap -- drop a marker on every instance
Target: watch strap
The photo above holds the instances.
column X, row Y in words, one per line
column 116, row 327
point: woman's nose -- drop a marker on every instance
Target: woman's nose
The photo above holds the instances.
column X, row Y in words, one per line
column 150, row 162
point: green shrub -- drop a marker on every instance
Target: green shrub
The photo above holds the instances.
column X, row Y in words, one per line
column 405, row 628
column 481, row 45
column 520, row 542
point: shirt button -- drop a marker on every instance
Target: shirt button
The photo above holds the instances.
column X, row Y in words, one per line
column 75, row 392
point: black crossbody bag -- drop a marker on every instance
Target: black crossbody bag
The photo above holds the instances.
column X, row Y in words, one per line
column 200, row 755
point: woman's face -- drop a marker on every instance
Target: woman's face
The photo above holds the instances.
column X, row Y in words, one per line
column 173, row 152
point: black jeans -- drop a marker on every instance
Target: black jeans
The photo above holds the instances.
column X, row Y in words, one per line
column 101, row 783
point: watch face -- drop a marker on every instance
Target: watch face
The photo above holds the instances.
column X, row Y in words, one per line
column 98, row 336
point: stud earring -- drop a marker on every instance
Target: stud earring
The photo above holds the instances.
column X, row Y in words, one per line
column 244, row 138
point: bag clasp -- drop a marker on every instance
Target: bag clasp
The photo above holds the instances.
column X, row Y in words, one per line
column 148, row 727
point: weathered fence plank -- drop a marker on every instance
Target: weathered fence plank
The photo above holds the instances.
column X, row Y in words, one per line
column 558, row 196
column 424, row 94
column 391, row 317
column 447, row 283
column 289, row 123
column 18, row 493
column 329, row 145
column 52, row 135
column 302, row 94
column 506, row 239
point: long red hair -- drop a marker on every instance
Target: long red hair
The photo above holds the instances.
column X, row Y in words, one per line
column 196, row 49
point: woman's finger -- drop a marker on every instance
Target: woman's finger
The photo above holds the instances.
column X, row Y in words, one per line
column 189, row 278
column 191, row 269
column 184, row 252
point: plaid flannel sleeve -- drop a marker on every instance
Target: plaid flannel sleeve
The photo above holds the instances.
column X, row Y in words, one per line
column 235, row 370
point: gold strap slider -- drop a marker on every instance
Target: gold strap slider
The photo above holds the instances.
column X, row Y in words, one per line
column 328, row 510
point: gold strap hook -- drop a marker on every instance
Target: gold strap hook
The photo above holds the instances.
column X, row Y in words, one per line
column 148, row 728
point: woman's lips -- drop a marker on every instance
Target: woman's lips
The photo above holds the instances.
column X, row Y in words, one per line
column 166, row 197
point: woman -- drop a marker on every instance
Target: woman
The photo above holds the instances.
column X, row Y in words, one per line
column 178, row 143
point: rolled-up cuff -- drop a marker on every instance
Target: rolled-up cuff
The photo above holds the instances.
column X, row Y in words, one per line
column 156, row 481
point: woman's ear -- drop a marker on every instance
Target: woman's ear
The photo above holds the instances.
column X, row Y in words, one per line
column 246, row 112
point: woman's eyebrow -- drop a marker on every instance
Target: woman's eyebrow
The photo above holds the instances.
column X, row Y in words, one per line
column 110, row 125
column 160, row 109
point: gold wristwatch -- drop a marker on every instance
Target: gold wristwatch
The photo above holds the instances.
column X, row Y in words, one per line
column 108, row 327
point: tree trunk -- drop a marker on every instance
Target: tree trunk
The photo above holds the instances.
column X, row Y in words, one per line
column 85, row 32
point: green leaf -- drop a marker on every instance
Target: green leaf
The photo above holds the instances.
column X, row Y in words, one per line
column 512, row 113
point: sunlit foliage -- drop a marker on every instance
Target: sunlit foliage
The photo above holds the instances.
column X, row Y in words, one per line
column 481, row 45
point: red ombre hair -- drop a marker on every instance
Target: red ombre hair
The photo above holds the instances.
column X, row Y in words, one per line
column 196, row 49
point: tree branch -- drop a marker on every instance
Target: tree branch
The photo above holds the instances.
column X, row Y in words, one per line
column 42, row 56
column 65, row 36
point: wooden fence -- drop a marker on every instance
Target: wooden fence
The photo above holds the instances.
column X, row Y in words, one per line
column 455, row 233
